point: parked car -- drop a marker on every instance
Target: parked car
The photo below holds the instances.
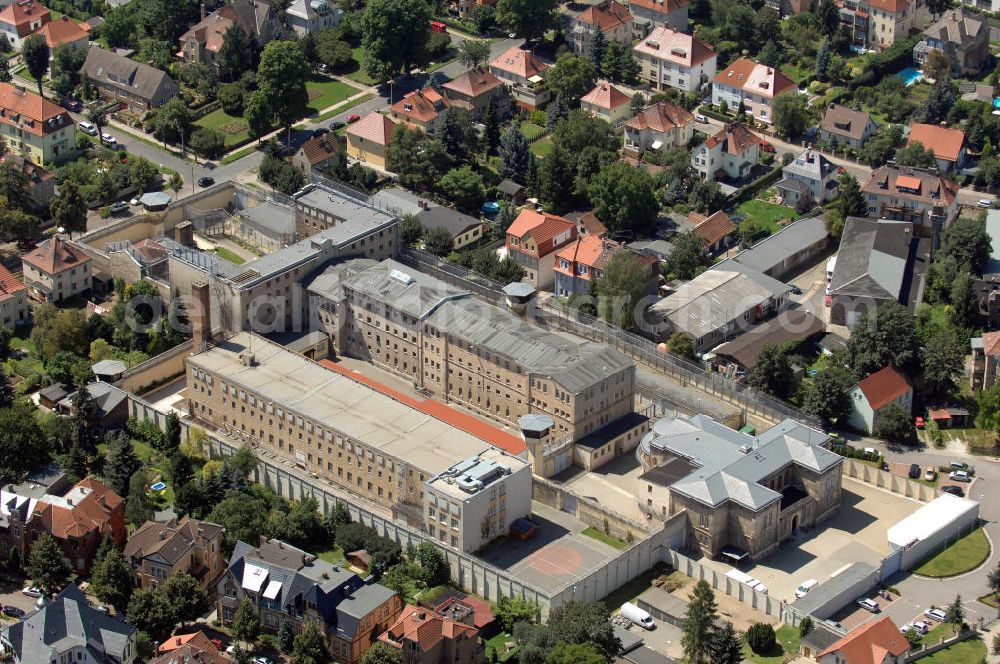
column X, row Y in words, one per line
column 119, row 206
column 984, row 202
column 88, row 128
column 71, row 104
column 918, row 626
column 919, row 422
column 31, row 591
column 953, row 490
column 353, row 117
column 805, row 587
column 322, row 68
column 959, row 476
column 337, row 124
column 767, row 147
column 958, row 465
column 795, row 289
column 868, row 605
column 134, row 201
column 262, row 660
column 109, row 139
column 12, row 611
column 936, row 614
column 914, row 473
column 701, row 118
column 930, row 474
column 206, row 181
column 321, row 131
column 637, row 616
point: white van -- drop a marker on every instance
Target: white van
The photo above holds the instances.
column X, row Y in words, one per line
column 637, row 616
column 88, row 128
column 805, row 587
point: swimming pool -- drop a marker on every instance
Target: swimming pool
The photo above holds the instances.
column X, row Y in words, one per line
column 910, row 75
column 996, row 103
column 159, row 486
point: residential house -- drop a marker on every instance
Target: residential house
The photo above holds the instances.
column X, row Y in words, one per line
column 14, row 309
column 879, row 23
column 730, row 154
column 194, row 648
column 41, row 182
column 781, row 253
column 671, row 59
column 466, row 608
column 56, row 270
column 368, row 139
column 140, row 86
column 310, row 16
column 985, row 360
column 659, row 127
column 289, row 586
column 610, row 17
column 531, row 241
column 581, row 263
column 790, row 326
column 203, row 41
column 920, row 196
column 21, row 18
column 607, row 102
column 648, row 15
column 79, row 521
column 587, row 223
column 421, row 109
column 474, row 90
column 64, row 32
column 738, row 507
column 317, row 153
column 523, row 72
column 159, row 549
column 464, row 229
column 426, row 637
column 845, row 126
column 875, row 642
column 878, row 262
column 809, row 179
column 718, row 305
column 68, row 629
column 35, row 127
column 947, row 144
column 464, row 8
column 792, row 7
column 756, row 84
column 716, row 230
column 819, row 638
column 988, row 286
column 962, row 36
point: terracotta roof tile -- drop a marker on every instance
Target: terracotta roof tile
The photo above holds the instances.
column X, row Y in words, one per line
column 425, row 628
column 891, row 6
column 991, row 343
column 61, row 31
column 194, row 648
column 668, row 44
column 884, row 386
column 320, row 148
column 661, row 117
column 944, row 141
column 659, row 6
column 870, row 643
column 754, row 77
column 374, row 127
column 54, row 256
column 474, row 82
column 33, row 114
column 9, row 284
column 22, row 14
column 607, row 17
column 84, row 515
column 735, row 139
column 421, row 106
column 519, row 62
column 605, row 95
column 912, row 184
column 714, row 227
column 541, row 225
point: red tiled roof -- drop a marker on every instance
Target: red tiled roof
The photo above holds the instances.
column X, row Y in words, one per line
column 606, row 17
column 917, row 185
column 884, row 386
column 34, row 114
column 589, row 250
column 665, row 43
column 174, row 642
column 663, row 116
column 420, row 105
column 946, row 142
column 91, row 513
column 468, row 423
column 754, row 77
column 474, row 82
column 374, row 127
column 9, row 284
column 661, row 6
column 991, row 343
column 542, row 227
column 891, row 6
column 736, row 139
column 194, row 648
column 714, row 227
column 426, row 628
column 519, row 62
column 605, row 95
column 54, row 256
column 870, row 643
column 22, row 14
column 482, row 615
column 61, row 31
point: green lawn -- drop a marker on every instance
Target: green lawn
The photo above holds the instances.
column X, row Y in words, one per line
column 637, row 586
column 543, row 148
column 343, row 107
column 239, row 154
column 234, row 129
column 229, row 255
column 786, row 647
column 796, row 73
column 958, row 558
column 496, row 645
column 334, row 556
column 970, row 651
column 601, row 536
column 324, row 92
column 989, row 600
column 531, row 131
column 356, row 71
column 767, row 214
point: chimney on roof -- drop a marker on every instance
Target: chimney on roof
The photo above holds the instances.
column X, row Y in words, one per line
column 201, row 321
column 184, row 234
column 202, row 11
column 347, row 590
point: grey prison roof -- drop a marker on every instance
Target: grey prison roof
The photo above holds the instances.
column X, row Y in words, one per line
column 286, row 576
column 830, row 590
column 730, row 463
column 271, row 216
column 66, row 623
column 453, row 221
column 993, row 230
column 775, row 249
column 118, row 71
column 577, row 366
column 872, row 259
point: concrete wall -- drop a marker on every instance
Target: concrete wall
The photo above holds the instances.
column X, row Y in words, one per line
column 924, row 549
column 587, row 510
column 924, row 650
column 156, row 370
column 764, row 603
column 886, row 480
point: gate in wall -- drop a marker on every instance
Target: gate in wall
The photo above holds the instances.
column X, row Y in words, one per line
column 891, row 564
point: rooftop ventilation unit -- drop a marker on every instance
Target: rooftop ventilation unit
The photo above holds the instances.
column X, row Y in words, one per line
column 401, row 277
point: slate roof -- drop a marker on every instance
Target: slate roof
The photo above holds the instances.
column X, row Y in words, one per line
column 126, row 74
column 66, row 623
column 456, row 222
column 884, row 386
column 729, row 463
column 170, row 541
column 844, row 121
column 873, row 258
column 787, row 326
column 810, row 165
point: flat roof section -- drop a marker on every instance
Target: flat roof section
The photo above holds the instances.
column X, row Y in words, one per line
column 929, row 519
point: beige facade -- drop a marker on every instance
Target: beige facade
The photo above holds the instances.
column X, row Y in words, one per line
column 157, row 551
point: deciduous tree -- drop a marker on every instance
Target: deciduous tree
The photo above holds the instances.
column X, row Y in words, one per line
column 621, row 287
column 111, row 580
column 149, row 610
column 188, row 599
column 826, row 397
column 246, row 622
column 624, row 198
column 395, row 34
column 526, row 18
column 35, row 53
column 473, row 52
column 773, row 372
column 886, row 337
column 282, row 76
column 571, row 77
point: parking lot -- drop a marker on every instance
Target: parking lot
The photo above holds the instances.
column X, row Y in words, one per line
column 857, row 533
column 902, row 469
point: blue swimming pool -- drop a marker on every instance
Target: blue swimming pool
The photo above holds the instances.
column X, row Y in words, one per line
column 996, row 103
column 159, row 486
column 910, row 75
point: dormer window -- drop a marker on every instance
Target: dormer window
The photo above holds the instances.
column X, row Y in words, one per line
column 408, row 107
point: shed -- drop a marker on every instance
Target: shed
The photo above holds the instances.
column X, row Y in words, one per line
column 949, row 417
column 52, row 395
column 359, row 560
column 795, row 324
column 108, row 371
column 155, row 200
column 512, row 190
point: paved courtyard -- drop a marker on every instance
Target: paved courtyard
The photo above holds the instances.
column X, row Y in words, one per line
column 856, row 534
column 612, row 485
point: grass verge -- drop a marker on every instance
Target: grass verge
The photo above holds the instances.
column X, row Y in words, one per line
column 239, row 154
column 340, row 108
column 229, row 255
column 786, row 647
column 601, row 536
column 966, row 554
